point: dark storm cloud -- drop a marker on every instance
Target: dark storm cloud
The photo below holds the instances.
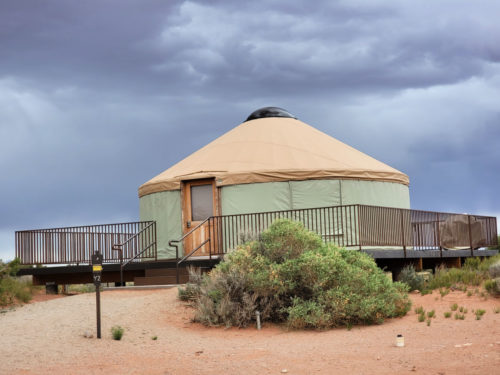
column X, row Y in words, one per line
column 97, row 97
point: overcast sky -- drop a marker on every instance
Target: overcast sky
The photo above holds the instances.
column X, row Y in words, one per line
column 97, row 97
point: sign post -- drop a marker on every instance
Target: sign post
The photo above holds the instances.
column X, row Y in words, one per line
column 96, row 275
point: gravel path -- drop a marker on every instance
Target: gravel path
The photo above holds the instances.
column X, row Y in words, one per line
column 47, row 338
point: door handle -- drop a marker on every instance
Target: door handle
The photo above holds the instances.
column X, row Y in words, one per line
column 188, row 224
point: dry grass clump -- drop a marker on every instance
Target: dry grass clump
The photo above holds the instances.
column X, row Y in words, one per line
column 475, row 272
column 13, row 289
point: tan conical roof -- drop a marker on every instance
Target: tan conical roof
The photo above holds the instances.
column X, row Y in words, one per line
column 273, row 149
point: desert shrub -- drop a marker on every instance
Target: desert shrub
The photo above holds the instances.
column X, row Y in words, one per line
column 472, row 263
column 494, row 270
column 81, row 288
column 459, row 316
column 447, row 314
column 411, row 278
column 451, row 277
column 491, row 287
column 13, row 289
column 473, row 273
column 117, row 332
column 9, row 269
column 487, row 262
column 421, row 317
column 479, row 313
column 290, row 276
column 189, row 292
column 444, row 291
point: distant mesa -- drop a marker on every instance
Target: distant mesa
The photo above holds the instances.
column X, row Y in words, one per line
column 269, row 112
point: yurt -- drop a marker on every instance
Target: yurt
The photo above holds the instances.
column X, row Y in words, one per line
column 270, row 162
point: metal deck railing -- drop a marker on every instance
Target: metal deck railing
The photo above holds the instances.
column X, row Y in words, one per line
column 351, row 226
column 120, row 242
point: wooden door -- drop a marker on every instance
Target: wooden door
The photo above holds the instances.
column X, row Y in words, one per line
column 199, row 203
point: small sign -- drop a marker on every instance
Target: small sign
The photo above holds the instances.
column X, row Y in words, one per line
column 97, row 268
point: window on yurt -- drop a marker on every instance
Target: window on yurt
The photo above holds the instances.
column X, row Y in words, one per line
column 201, row 202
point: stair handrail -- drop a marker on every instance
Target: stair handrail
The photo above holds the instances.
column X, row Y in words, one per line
column 176, row 246
column 119, row 247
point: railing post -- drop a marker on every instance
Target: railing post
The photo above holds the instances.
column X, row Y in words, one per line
column 177, row 264
column 439, row 237
column 358, row 210
column 210, row 228
column 470, row 238
column 121, row 267
column 156, row 241
column 170, row 243
column 403, row 231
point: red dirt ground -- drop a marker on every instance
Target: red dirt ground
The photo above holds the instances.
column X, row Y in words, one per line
column 47, row 338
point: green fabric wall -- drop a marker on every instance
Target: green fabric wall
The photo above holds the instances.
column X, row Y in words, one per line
column 275, row 196
column 248, row 198
column 375, row 193
column 165, row 209
column 314, row 193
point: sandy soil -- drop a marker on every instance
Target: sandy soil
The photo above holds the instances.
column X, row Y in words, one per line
column 46, row 337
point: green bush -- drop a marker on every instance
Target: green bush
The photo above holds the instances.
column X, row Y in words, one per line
column 479, row 313
column 474, row 272
column 188, row 292
column 410, row 277
column 81, row 288
column 487, row 262
column 290, row 276
column 450, row 277
column 459, row 316
column 13, row 289
column 491, row 287
column 472, row 263
column 191, row 291
column 117, row 332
